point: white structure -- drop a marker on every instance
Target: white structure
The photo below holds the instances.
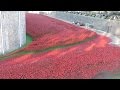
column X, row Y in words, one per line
column 12, row 30
column 40, row 12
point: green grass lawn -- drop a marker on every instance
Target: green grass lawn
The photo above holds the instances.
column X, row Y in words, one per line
column 28, row 39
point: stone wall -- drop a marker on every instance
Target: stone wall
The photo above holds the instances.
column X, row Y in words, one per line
column 12, row 30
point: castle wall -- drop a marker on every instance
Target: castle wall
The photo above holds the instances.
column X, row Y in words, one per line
column 12, row 30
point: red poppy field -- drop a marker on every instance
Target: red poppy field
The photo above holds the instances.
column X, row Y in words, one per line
column 61, row 51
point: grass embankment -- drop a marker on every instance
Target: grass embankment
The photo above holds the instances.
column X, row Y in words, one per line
column 20, row 52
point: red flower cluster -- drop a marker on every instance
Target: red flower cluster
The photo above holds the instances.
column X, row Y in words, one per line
column 71, row 62
column 51, row 32
column 79, row 61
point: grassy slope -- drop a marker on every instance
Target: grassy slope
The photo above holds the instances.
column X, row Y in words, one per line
column 29, row 39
